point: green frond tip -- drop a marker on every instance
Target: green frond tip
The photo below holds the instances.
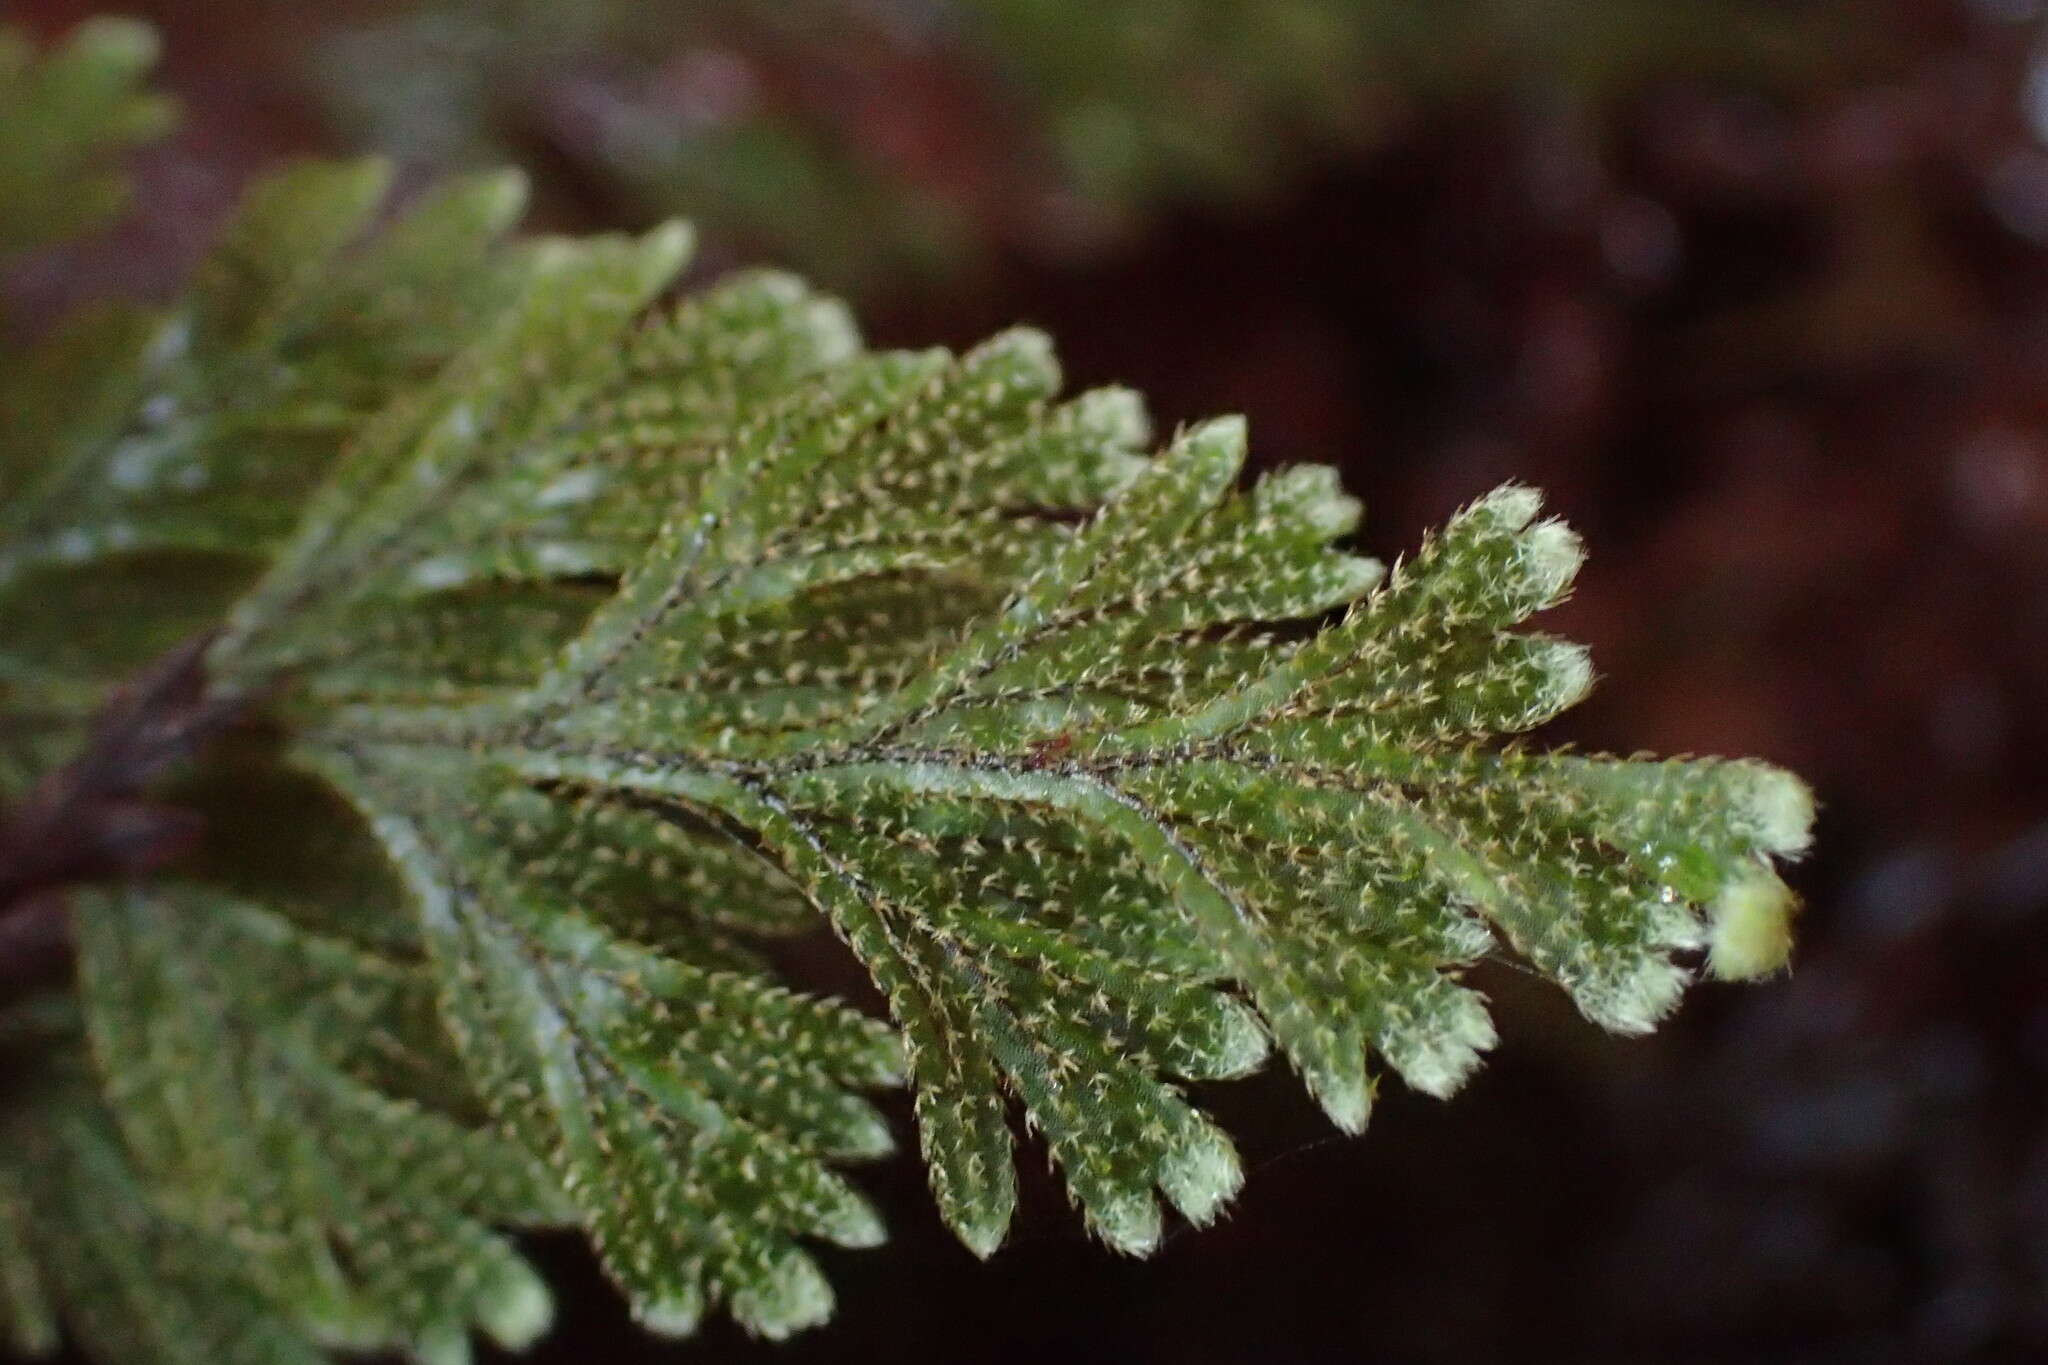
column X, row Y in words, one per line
column 67, row 113
column 611, row 639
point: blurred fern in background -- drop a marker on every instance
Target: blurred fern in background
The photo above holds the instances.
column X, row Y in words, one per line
column 68, row 114
column 880, row 143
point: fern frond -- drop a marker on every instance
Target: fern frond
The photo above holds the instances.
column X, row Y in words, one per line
column 878, row 651
column 635, row 635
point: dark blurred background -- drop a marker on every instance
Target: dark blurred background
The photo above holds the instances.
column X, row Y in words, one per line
column 1758, row 293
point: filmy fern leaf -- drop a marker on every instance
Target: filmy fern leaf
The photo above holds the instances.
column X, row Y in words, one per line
column 633, row 635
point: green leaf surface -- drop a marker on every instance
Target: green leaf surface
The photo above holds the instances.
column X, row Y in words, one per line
column 594, row 642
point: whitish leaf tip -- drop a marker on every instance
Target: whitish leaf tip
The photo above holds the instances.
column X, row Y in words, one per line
column 793, row 1296
column 517, row 1311
column 1127, row 1222
column 672, row 1317
column 1783, row 809
column 1752, row 926
column 1201, row 1174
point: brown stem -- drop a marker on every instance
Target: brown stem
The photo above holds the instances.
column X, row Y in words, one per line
column 89, row 821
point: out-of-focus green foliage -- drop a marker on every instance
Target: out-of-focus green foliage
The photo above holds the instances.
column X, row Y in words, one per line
column 875, row 141
column 66, row 114
column 606, row 639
